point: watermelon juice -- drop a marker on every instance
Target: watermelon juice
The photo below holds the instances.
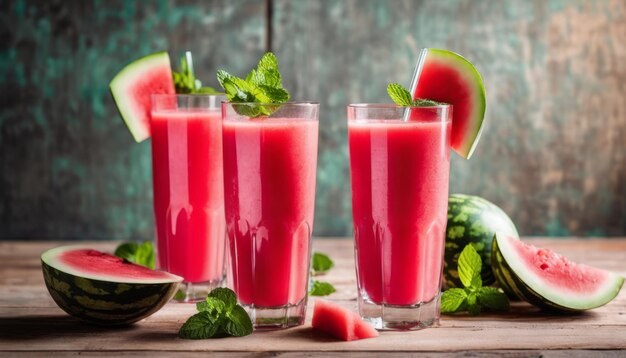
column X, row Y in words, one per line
column 399, row 173
column 269, row 177
column 189, row 189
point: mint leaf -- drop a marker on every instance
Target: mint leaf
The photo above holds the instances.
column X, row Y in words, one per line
column 267, row 72
column 274, row 94
column 207, row 90
column 126, row 251
column 268, row 63
column 214, row 306
column 402, row 97
column 199, row 326
column 261, row 85
column 469, row 267
column 321, row 288
column 145, row 255
column 320, row 263
column 473, row 307
column 180, row 295
column 493, row 298
column 140, row 254
column 237, row 90
column 226, row 295
column 474, row 297
column 418, row 102
column 219, row 316
column 453, row 300
column 399, row 95
column 185, row 81
column 239, row 323
column 249, row 110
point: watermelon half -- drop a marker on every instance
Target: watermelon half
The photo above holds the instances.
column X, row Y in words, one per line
column 104, row 289
column 339, row 322
column 549, row 280
column 133, row 86
column 445, row 76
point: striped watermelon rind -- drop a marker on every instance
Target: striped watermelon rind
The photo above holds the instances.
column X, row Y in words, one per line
column 104, row 302
column 472, row 220
column 515, row 278
column 448, row 77
column 133, row 86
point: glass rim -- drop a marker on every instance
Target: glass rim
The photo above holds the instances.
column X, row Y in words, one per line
column 394, row 106
column 295, row 103
column 187, row 95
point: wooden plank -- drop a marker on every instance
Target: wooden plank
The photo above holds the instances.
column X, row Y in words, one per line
column 30, row 322
column 57, row 333
column 475, row 354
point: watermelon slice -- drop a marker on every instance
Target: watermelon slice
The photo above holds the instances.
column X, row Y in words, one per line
column 549, row 280
column 132, row 87
column 104, row 289
column 337, row 321
column 445, row 76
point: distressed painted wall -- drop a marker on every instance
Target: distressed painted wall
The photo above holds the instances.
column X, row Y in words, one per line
column 69, row 168
column 553, row 154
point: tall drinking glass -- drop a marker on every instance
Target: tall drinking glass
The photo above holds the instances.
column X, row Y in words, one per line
column 399, row 166
column 269, row 180
column 189, row 190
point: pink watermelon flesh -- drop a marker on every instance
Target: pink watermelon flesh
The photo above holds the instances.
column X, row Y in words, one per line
column 337, row 321
column 558, row 271
column 550, row 279
column 93, row 264
column 156, row 81
column 443, row 83
column 133, row 87
column 447, row 77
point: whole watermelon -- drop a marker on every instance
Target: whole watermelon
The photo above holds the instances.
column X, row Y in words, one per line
column 472, row 220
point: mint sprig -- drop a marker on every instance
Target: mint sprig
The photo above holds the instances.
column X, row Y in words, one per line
column 219, row 316
column 139, row 253
column 473, row 298
column 320, row 264
column 261, row 85
column 321, row 288
column 402, row 97
column 185, row 81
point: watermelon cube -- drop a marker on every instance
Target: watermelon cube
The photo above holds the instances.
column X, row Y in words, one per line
column 340, row 322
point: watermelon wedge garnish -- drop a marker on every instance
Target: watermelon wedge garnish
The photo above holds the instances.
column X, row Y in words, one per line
column 133, row 86
column 340, row 322
column 549, row 280
column 445, row 76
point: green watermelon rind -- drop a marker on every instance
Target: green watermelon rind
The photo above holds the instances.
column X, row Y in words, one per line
column 100, row 300
column 515, row 278
column 473, row 77
column 459, row 204
column 124, row 79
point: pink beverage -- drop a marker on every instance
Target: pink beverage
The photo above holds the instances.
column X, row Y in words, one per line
column 269, row 179
column 400, row 173
column 189, row 189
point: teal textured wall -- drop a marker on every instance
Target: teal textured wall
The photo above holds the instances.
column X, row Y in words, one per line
column 553, row 153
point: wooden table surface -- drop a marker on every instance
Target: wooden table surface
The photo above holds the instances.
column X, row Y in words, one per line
column 32, row 325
